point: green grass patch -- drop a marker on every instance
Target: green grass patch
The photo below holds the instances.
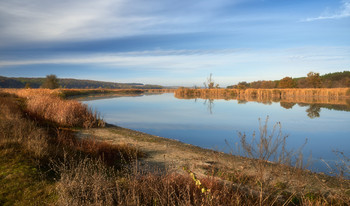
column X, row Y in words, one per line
column 21, row 182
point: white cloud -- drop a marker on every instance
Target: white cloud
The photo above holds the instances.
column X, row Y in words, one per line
column 179, row 61
column 343, row 12
column 41, row 20
column 190, row 67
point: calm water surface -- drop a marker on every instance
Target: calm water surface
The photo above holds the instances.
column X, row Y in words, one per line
column 209, row 124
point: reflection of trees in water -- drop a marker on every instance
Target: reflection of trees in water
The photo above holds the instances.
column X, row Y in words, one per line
column 210, row 104
column 241, row 101
column 287, row 105
column 313, row 111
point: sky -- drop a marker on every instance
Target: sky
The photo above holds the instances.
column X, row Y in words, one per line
column 172, row 42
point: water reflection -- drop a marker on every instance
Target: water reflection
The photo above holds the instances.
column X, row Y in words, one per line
column 210, row 104
column 313, row 111
column 287, row 105
column 208, row 123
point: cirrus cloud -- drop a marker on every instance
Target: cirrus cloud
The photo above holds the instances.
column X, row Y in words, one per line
column 343, row 12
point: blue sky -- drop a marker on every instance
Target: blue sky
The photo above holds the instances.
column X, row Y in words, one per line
column 171, row 42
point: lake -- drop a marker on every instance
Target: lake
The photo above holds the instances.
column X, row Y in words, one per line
column 215, row 124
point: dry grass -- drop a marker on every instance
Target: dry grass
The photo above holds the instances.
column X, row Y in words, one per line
column 45, row 104
column 89, row 182
column 27, row 93
column 110, row 154
column 270, row 146
column 86, row 182
column 16, row 129
column 24, row 138
column 64, row 93
column 86, row 168
column 265, row 94
column 67, row 113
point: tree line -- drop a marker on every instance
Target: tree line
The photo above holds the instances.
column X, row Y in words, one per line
column 312, row 80
column 51, row 81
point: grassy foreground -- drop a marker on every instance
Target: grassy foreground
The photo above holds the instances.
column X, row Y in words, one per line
column 46, row 159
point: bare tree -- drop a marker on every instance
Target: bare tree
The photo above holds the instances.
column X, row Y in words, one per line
column 210, row 82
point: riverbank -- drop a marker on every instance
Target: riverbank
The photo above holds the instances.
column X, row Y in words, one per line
column 172, row 156
column 133, row 168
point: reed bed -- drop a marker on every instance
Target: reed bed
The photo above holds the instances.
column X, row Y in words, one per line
column 278, row 93
column 322, row 96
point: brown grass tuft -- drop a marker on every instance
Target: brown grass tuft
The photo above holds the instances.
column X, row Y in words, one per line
column 87, row 182
column 46, row 105
column 111, row 154
column 68, row 113
column 16, row 129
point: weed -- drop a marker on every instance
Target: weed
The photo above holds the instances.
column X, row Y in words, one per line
column 85, row 182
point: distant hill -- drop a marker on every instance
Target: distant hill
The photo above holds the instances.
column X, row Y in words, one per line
column 21, row 82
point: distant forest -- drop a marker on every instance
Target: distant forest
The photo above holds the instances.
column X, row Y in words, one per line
column 19, row 82
column 312, row 80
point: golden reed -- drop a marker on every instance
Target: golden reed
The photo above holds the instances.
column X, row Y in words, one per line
column 48, row 105
column 328, row 96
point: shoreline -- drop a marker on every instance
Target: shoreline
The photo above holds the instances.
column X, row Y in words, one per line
column 168, row 155
column 149, row 157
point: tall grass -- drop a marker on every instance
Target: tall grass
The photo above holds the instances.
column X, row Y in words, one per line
column 26, row 140
column 16, row 129
column 88, row 172
column 89, row 182
column 289, row 95
column 85, row 182
column 64, row 93
column 68, row 113
column 45, row 104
